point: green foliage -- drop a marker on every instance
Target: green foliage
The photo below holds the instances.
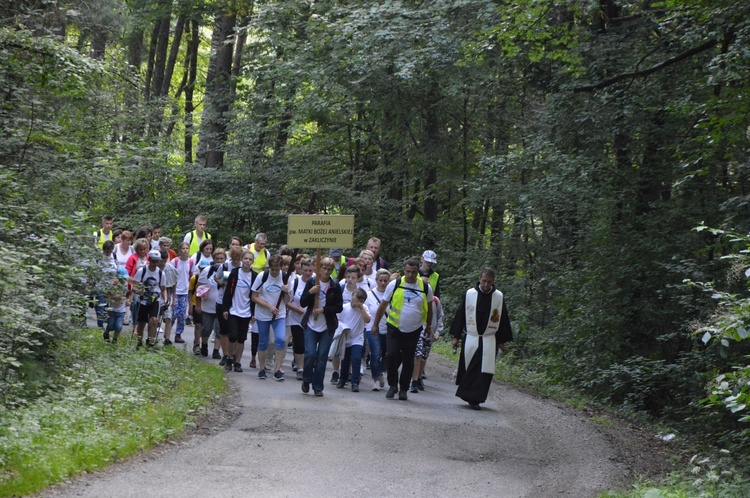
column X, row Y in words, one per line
column 109, row 403
column 727, row 331
column 42, row 288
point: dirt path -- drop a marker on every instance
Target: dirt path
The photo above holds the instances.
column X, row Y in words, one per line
column 278, row 441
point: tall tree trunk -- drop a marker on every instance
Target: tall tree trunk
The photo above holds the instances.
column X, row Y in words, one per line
column 217, row 100
column 98, row 43
column 162, row 46
column 432, row 156
column 192, row 58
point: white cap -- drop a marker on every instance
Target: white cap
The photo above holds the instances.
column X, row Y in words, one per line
column 154, row 255
column 430, row 256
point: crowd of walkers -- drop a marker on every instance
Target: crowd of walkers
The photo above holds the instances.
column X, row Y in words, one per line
column 352, row 312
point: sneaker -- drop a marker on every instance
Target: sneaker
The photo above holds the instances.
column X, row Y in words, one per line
column 474, row 406
column 150, row 343
column 178, row 339
column 252, row 363
column 216, row 355
column 262, row 374
column 105, row 335
column 340, row 384
column 335, row 378
column 420, row 384
column 224, row 361
column 391, row 392
column 319, row 393
column 167, row 342
column 414, row 387
column 375, row 385
column 204, row 350
column 197, row 349
column 381, row 381
column 278, row 376
column 237, row 367
column 355, row 388
column 305, row 387
column 402, row 395
column 229, row 364
column 299, row 374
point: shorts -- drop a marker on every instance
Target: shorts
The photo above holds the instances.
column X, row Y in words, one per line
column 424, row 346
column 148, row 309
column 209, row 323
column 238, row 328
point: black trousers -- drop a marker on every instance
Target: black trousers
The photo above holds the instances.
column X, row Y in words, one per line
column 400, row 349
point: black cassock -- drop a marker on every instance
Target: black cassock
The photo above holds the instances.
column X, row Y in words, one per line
column 473, row 385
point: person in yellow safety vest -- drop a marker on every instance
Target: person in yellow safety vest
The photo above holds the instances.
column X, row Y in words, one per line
column 429, row 258
column 339, row 262
column 198, row 235
column 406, row 300
column 258, row 248
column 105, row 234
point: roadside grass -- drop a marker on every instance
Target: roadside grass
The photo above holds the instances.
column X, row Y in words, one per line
column 716, row 476
column 110, row 402
column 704, row 477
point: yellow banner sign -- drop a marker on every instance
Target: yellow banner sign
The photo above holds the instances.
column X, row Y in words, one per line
column 320, row 231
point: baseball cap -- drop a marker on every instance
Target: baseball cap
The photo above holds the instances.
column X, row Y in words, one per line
column 430, row 256
column 203, row 263
column 335, row 253
column 154, row 255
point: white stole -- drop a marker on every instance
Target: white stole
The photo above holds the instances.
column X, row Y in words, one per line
column 489, row 344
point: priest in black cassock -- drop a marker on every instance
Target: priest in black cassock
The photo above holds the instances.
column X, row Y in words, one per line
column 484, row 318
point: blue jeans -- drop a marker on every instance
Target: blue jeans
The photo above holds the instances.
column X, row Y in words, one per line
column 317, row 345
column 353, row 356
column 180, row 309
column 279, row 333
column 376, row 360
column 114, row 321
column 101, row 310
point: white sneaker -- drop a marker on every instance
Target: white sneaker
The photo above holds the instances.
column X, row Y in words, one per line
column 375, row 385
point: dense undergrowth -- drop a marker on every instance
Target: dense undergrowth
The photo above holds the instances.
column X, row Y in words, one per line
column 108, row 402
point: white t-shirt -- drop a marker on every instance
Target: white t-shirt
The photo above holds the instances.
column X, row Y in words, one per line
column 151, row 282
column 227, row 267
column 269, row 291
column 411, row 313
column 183, row 275
column 241, row 298
column 318, row 324
column 292, row 317
column 374, row 297
column 122, row 259
column 208, row 300
column 196, row 260
column 353, row 318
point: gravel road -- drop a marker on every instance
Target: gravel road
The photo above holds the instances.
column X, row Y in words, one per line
column 269, row 439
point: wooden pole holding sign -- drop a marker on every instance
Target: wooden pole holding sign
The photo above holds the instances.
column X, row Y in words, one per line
column 318, row 231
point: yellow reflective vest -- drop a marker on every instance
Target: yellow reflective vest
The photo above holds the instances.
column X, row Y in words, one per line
column 397, row 302
column 195, row 242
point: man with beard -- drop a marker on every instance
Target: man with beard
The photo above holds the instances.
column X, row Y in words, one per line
column 483, row 316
